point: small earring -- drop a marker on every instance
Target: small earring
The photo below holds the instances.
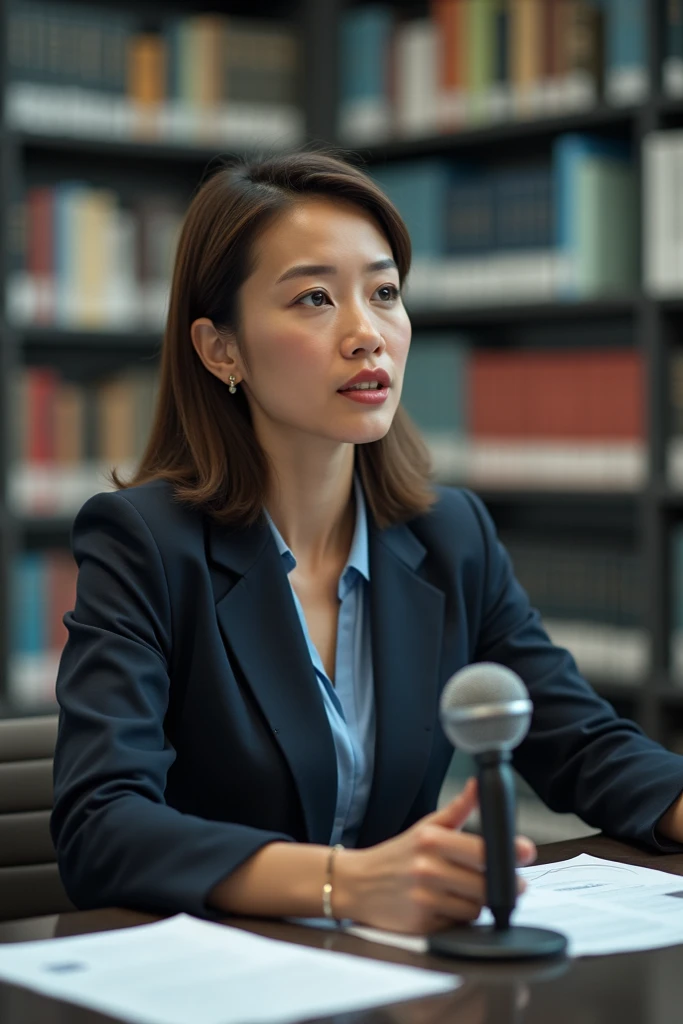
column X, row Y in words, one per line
column 232, row 380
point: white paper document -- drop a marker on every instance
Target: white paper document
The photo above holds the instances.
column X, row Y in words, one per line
column 186, row 971
column 602, row 906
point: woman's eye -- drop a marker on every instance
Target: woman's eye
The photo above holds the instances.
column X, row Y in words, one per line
column 315, row 296
column 388, row 292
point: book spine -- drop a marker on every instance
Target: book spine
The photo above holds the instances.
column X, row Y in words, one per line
column 626, row 79
column 672, row 66
column 444, row 14
column 366, row 39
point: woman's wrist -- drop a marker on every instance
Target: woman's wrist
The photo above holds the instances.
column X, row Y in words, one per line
column 347, row 884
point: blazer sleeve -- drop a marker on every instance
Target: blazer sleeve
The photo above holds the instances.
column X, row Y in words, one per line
column 578, row 756
column 118, row 843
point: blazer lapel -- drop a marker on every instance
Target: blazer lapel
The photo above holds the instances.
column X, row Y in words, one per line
column 261, row 629
column 407, row 624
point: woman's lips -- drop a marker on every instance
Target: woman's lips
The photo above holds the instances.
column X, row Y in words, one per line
column 367, row 396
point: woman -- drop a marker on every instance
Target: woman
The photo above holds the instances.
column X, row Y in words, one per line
column 266, row 617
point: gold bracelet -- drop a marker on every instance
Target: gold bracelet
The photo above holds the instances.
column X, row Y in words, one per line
column 327, row 887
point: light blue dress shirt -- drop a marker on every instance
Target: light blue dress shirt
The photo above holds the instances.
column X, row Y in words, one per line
column 349, row 703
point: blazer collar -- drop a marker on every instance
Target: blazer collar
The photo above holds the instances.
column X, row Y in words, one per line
column 262, row 633
column 261, row 629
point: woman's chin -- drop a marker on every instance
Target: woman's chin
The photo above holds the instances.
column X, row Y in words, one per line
column 367, row 436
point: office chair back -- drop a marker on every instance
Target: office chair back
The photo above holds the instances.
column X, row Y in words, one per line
column 30, row 885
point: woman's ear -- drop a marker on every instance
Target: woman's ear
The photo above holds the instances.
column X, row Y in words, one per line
column 217, row 351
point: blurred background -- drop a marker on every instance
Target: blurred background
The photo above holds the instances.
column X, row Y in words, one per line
column 535, row 150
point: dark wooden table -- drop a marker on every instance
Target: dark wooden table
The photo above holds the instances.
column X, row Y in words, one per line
column 633, row 988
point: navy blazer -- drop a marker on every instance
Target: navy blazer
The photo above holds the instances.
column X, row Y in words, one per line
column 192, row 730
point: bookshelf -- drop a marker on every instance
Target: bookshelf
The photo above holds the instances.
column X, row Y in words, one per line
column 640, row 517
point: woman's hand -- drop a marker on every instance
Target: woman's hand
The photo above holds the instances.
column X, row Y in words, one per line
column 425, row 879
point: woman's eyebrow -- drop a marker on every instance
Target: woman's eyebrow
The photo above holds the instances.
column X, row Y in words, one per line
column 316, row 269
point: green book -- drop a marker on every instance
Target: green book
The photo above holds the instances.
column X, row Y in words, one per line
column 607, row 244
column 481, row 27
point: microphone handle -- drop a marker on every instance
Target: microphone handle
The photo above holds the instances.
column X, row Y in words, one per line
column 497, row 806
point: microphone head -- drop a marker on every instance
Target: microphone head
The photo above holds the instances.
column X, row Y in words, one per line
column 485, row 707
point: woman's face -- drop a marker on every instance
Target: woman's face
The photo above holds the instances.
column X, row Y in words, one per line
column 321, row 306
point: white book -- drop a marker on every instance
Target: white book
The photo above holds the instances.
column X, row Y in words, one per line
column 663, row 213
column 654, row 210
column 417, row 85
column 122, row 298
column 672, row 77
column 675, row 213
column 674, row 463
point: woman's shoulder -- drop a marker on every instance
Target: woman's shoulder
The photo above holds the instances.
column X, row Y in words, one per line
column 454, row 505
column 151, row 507
column 457, row 522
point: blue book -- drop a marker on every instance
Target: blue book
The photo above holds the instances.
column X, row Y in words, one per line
column 419, row 191
column 673, row 31
column 364, row 58
column 626, row 37
column 571, row 154
column 471, row 223
column 29, row 618
column 524, row 211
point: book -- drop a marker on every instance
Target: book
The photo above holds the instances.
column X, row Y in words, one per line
column 92, row 261
column 672, row 64
column 99, row 72
column 663, row 233
column 596, row 215
column 626, row 71
column 365, row 111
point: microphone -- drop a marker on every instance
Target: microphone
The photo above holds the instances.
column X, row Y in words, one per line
column 486, row 711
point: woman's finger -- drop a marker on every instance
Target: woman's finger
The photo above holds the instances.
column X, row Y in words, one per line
column 455, row 908
column 458, row 810
column 444, row 877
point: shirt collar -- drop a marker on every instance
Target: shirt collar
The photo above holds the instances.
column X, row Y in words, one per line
column 358, row 559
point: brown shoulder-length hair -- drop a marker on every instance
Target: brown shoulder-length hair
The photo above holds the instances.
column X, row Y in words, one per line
column 202, row 439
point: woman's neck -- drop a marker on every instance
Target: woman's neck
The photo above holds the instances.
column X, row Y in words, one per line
column 310, row 499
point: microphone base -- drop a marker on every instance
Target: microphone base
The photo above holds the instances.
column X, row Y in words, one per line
column 484, row 942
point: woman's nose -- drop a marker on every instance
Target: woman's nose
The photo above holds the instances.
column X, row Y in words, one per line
column 364, row 337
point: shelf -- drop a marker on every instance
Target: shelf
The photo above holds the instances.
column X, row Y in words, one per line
column 603, row 309
column 125, row 149
column 46, row 528
column 668, row 497
column 37, row 528
column 526, row 496
column 64, row 338
column 670, row 694
column 543, row 312
column 611, row 689
column 614, row 120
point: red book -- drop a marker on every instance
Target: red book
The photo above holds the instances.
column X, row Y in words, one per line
column 40, row 250
column 550, row 67
column 41, row 384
